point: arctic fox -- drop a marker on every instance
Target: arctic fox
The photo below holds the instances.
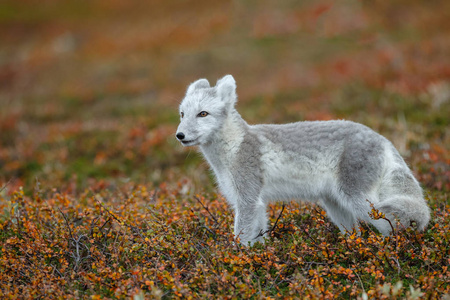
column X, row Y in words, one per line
column 342, row 165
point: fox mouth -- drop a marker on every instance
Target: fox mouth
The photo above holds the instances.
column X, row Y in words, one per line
column 187, row 143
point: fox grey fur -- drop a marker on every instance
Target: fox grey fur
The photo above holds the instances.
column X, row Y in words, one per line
column 342, row 165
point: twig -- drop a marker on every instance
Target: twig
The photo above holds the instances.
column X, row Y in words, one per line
column 392, row 227
column 6, row 184
column 67, row 223
column 356, row 273
column 78, row 258
column 106, row 222
column 37, row 187
column 398, row 264
column 275, row 281
column 57, row 271
column 133, row 228
column 279, row 216
column 380, row 215
column 110, row 213
column 153, row 197
column 206, row 208
column 389, row 262
column 261, row 233
column 312, row 239
column 76, row 243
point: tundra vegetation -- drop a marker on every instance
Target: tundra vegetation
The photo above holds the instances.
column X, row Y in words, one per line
column 98, row 199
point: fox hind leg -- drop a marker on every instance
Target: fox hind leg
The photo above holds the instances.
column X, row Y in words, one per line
column 341, row 216
column 401, row 199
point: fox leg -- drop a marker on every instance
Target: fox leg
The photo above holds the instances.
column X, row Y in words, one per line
column 340, row 215
column 250, row 223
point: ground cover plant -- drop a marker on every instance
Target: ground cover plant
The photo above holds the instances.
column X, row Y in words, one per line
column 98, row 199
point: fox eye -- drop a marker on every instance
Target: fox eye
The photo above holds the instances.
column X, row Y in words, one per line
column 182, row 114
column 202, row 114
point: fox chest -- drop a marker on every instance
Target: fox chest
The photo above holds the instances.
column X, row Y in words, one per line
column 227, row 186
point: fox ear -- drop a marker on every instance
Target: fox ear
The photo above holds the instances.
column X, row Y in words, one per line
column 226, row 88
column 199, row 84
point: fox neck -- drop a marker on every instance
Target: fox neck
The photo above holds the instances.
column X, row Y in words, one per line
column 222, row 149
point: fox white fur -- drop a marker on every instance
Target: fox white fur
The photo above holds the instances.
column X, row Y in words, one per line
column 342, row 165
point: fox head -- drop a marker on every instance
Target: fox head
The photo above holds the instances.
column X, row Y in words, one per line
column 204, row 110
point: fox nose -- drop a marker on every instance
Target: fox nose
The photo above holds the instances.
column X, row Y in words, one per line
column 180, row 136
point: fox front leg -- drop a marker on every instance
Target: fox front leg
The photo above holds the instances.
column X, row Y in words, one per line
column 250, row 223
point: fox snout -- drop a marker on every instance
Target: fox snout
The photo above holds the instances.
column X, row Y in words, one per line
column 182, row 138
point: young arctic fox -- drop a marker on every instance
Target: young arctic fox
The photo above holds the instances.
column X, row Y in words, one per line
column 344, row 166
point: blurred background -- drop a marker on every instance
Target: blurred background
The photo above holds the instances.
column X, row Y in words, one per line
column 89, row 90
